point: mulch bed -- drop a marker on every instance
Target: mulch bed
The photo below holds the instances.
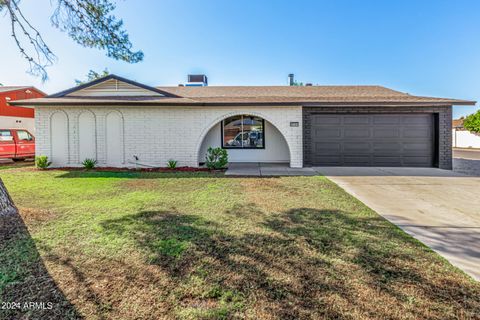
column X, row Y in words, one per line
column 179, row 169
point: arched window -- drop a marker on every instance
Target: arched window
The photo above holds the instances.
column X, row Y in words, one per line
column 243, row 132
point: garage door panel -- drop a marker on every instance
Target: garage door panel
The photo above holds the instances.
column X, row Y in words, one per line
column 323, row 133
column 416, row 161
column 416, row 147
column 415, row 132
column 386, row 132
column 372, row 140
column 417, row 119
column 327, row 148
column 357, row 160
column 358, row 133
column 357, row 147
column 387, row 147
column 326, row 120
column 387, row 161
column 356, row 119
column 386, row 119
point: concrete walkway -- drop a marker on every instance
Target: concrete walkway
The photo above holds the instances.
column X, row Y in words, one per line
column 259, row 169
column 440, row 208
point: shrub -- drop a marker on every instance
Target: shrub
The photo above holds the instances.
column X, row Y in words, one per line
column 89, row 163
column 42, row 162
column 217, row 158
column 172, row 164
column 472, row 122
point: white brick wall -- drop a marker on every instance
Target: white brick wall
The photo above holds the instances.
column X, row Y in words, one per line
column 157, row 134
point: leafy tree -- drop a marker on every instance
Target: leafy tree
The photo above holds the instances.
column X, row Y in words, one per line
column 89, row 23
column 472, row 122
column 93, row 75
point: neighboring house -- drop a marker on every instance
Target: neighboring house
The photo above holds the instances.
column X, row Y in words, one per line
column 462, row 138
column 16, row 116
column 458, row 124
column 122, row 123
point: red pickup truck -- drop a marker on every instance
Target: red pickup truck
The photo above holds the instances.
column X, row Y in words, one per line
column 16, row 144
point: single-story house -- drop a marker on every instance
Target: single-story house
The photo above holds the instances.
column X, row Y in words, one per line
column 122, row 123
column 458, row 123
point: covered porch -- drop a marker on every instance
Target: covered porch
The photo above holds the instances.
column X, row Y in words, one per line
column 253, row 138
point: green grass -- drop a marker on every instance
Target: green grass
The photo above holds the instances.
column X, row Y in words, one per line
column 131, row 245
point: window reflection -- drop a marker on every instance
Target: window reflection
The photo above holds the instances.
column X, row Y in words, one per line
column 243, row 132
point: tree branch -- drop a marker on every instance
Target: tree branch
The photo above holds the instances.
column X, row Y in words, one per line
column 38, row 54
column 88, row 22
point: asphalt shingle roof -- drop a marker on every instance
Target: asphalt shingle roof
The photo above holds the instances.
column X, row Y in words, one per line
column 309, row 94
column 274, row 95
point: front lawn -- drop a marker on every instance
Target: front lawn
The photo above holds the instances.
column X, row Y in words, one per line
column 127, row 245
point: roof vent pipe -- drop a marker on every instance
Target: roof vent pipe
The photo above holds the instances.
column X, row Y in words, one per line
column 291, row 80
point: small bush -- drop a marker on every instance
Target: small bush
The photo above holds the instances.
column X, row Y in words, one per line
column 42, row 162
column 217, row 158
column 89, row 163
column 172, row 164
column 472, row 122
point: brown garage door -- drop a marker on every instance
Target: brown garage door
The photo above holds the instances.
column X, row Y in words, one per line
column 405, row 140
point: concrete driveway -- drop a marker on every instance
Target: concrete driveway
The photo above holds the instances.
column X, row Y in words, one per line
column 438, row 207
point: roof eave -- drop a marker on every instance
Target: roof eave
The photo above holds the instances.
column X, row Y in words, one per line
column 391, row 103
column 285, row 103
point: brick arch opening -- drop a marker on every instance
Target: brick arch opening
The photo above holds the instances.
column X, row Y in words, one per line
column 218, row 120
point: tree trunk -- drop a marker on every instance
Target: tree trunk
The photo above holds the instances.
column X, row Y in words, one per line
column 6, row 204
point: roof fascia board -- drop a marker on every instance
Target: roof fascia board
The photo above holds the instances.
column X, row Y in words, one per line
column 172, row 103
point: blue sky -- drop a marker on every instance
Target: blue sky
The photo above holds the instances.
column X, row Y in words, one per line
column 429, row 47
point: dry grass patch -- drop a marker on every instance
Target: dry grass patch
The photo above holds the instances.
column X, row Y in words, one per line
column 33, row 215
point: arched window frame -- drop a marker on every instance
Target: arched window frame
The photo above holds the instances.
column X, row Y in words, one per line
column 242, row 147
